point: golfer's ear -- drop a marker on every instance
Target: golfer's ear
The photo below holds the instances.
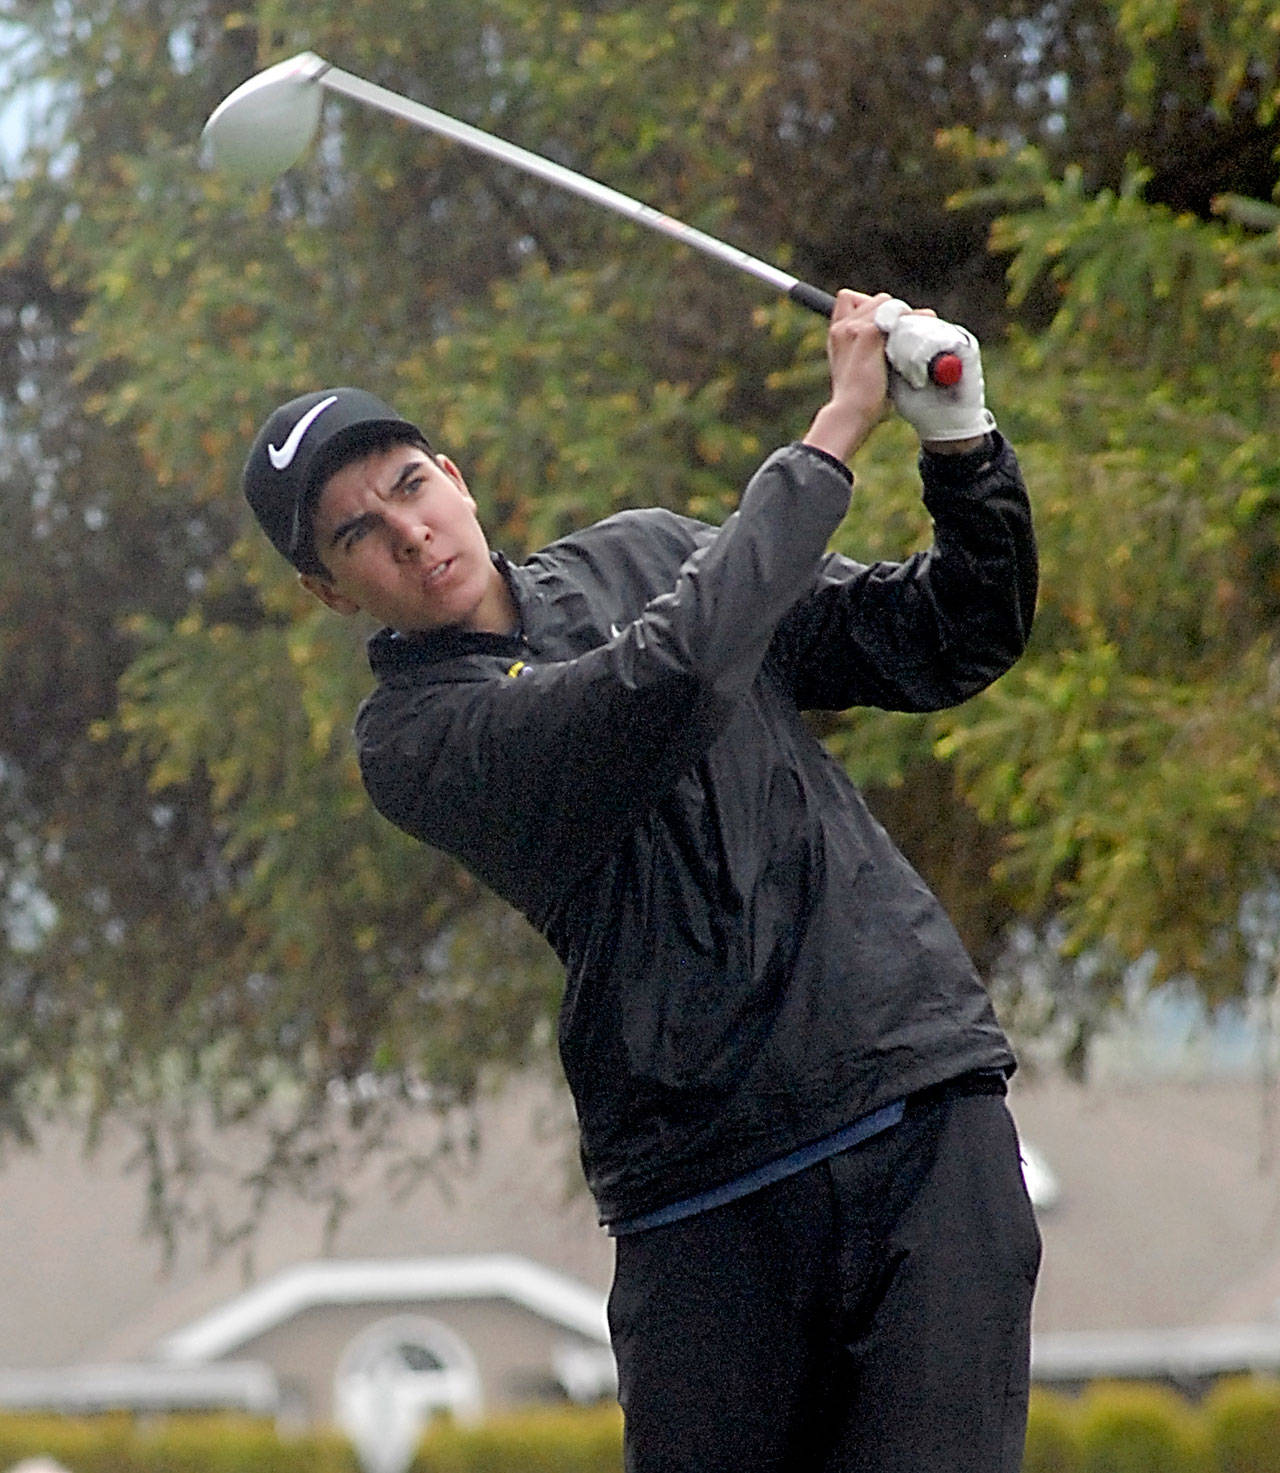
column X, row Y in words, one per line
column 454, row 474
column 328, row 594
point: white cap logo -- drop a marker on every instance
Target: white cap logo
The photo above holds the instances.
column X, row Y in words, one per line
column 282, row 458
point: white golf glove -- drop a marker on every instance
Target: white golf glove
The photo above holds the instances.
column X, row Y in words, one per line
column 938, row 411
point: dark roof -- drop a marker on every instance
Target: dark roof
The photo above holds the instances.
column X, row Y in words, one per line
column 79, row 1283
column 1169, row 1205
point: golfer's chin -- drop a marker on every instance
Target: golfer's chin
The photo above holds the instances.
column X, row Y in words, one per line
column 452, row 605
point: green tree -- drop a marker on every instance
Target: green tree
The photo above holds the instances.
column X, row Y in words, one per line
column 203, row 913
column 230, row 929
column 1134, row 759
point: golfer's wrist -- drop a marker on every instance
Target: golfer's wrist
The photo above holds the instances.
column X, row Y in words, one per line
column 839, row 429
column 954, row 447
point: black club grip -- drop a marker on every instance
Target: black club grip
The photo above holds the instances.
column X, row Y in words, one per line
column 823, row 303
column 946, row 369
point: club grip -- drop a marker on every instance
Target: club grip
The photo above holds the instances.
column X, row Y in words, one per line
column 946, row 369
column 813, row 297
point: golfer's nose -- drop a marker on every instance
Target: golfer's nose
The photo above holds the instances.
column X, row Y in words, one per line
column 409, row 535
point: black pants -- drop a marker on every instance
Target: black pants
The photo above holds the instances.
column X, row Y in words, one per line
column 869, row 1314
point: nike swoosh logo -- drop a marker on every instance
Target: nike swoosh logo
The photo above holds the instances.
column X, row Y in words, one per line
column 282, row 458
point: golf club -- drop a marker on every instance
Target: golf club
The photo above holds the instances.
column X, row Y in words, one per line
column 265, row 125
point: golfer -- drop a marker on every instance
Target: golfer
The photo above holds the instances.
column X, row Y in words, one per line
column 787, row 1074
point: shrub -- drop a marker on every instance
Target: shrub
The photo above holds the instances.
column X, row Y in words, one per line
column 190, row 1444
column 1242, row 1426
column 1053, row 1444
column 1138, row 1429
column 569, row 1441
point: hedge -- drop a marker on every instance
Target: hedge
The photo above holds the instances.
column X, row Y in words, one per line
column 1109, row 1429
column 559, row 1441
column 540, row 1442
column 1242, row 1425
column 189, row 1444
column 1146, row 1429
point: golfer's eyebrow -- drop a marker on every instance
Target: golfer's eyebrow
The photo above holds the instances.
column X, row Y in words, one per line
column 352, row 523
column 410, row 468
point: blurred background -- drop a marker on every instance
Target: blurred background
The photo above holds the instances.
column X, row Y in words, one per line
column 286, row 1036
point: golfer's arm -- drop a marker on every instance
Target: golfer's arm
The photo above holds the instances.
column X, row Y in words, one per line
column 932, row 630
column 561, row 759
column 649, row 702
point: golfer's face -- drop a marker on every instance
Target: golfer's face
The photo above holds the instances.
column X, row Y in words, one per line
column 398, row 532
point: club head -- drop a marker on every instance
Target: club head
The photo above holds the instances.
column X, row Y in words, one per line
column 268, row 122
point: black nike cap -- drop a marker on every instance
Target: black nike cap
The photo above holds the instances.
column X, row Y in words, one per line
column 302, row 443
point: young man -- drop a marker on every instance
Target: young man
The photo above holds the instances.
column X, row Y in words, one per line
column 787, row 1074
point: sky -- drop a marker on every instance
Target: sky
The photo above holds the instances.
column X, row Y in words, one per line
column 17, row 100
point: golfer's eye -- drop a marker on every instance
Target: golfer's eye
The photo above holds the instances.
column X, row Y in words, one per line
column 353, row 536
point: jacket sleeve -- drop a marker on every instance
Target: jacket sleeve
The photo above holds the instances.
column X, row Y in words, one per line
column 932, row 631
column 557, row 760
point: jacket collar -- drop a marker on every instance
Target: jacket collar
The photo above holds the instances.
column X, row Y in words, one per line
column 389, row 650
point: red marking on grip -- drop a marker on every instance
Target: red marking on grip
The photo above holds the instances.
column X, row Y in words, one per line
column 946, row 369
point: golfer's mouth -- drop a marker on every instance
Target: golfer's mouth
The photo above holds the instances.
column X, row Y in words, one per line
column 438, row 573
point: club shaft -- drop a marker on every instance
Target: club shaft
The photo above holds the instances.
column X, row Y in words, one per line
column 334, row 79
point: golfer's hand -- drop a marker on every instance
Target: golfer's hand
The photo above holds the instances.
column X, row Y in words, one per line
column 948, row 417
column 859, row 376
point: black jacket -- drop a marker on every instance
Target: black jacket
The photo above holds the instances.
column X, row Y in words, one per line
column 750, row 963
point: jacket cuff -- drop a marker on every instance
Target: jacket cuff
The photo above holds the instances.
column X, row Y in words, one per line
column 829, row 459
column 958, row 472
